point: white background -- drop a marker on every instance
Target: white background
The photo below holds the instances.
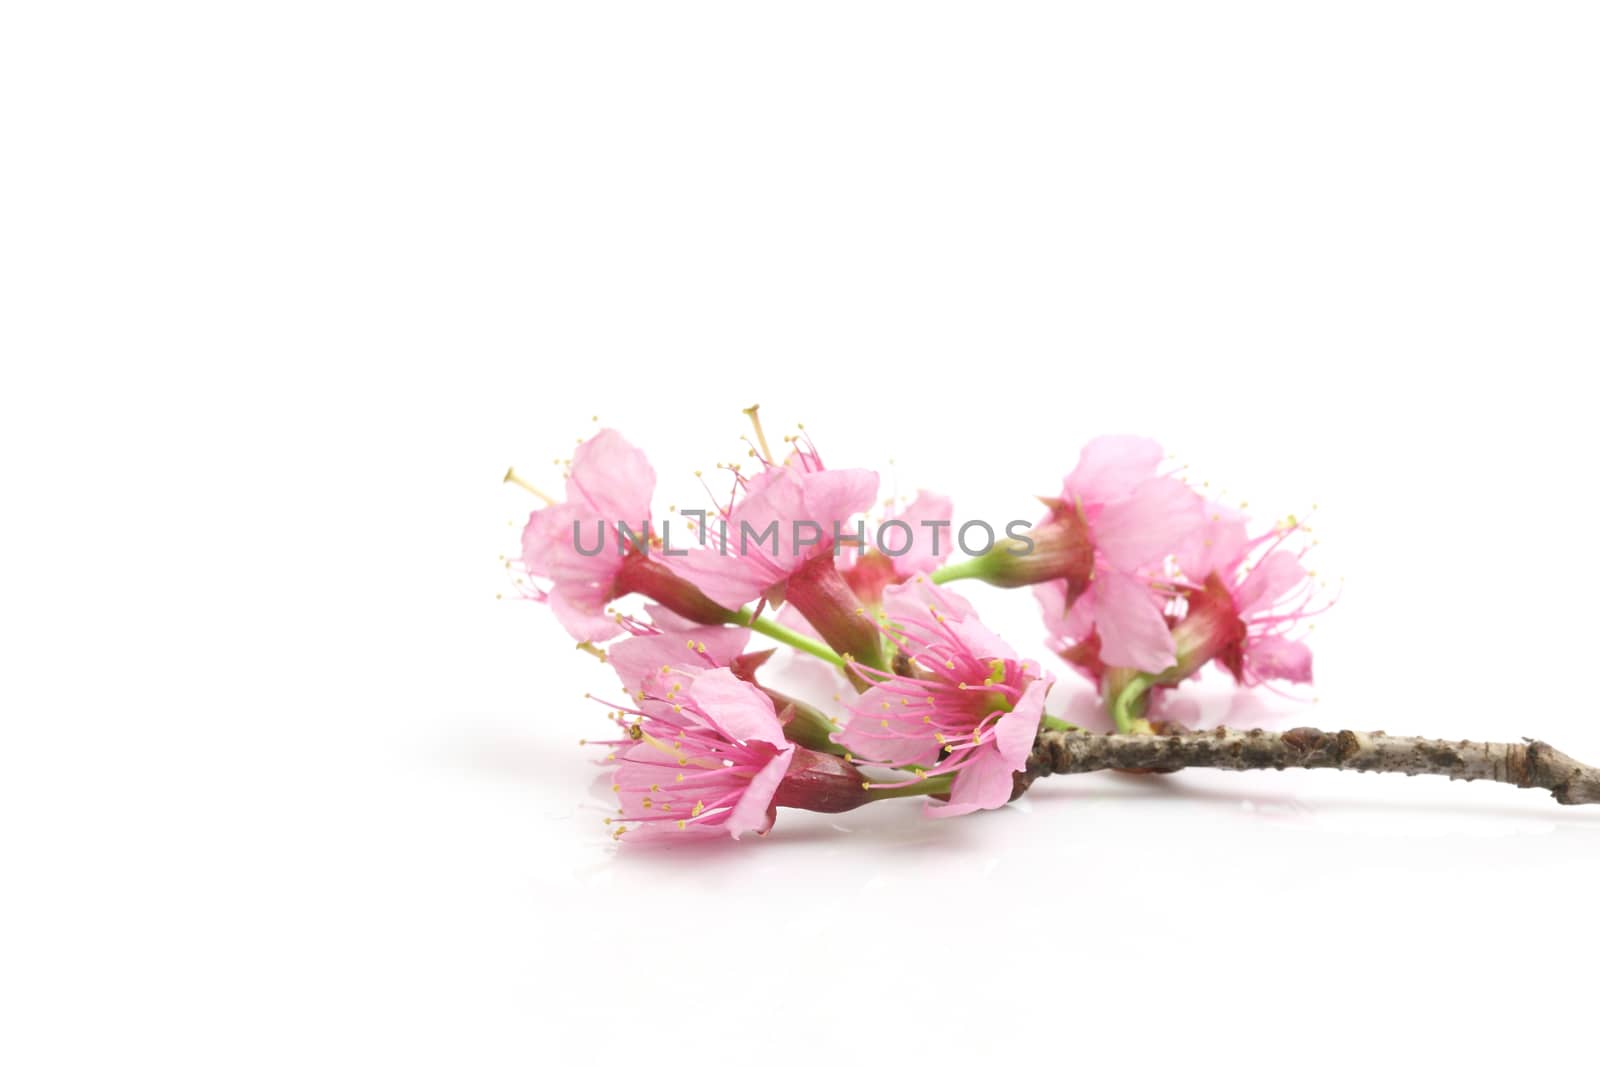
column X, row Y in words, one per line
column 283, row 289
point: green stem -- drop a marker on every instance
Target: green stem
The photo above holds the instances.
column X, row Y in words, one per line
column 920, row 788
column 971, row 567
column 808, row 727
column 1050, row 722
column 744, row 617
column 1123, row 701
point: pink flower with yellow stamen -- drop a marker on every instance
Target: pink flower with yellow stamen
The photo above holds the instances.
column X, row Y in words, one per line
column 1244, row 597
column 799, row 500
column 1095, row 560
column 646, row 661
column 595, row 546
column 961, row 704
column 703, row 754
column 1234, row 601
column 777, row 543
column 911, row 540
column 1117, row 521
column 921, row 541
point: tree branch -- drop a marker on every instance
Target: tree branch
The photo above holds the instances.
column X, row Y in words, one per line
column 1528, row 765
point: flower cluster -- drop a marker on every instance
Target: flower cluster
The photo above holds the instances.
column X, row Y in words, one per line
column 1142, row 582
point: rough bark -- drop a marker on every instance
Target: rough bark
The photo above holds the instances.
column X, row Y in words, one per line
column 1527, row 765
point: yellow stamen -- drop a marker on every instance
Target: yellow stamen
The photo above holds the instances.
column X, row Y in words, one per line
column 761, row 438
column 516, row 479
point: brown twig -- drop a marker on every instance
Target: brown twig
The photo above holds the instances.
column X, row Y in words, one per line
column 1527, row 765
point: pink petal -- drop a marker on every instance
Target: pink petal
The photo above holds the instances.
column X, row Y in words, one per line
column 981, row 641
column 1153, row 522
column 730, row 580
column 1278, row 657
column 641, row 658
column 753, row 810
column 1268, row 581
column 920, row 557
column 585, row 622
column 919, row 597
column 1133, row 632
column 739, row 709
column 612, row 479
column 984, row 782
column 1214, row 547
column 1110, row 467
column 1015, row 731
column 834, row 496
column 865, row 735
column 742, row 570
column 1058, row 617
column 549, row 549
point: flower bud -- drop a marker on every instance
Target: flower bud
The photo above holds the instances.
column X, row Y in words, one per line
column 819, row 593
column 1059, row 547
column 817, row 781
column 643, row 575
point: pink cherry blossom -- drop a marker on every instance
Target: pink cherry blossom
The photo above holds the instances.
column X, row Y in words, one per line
column 919, row 545
column 868, row 572
column 703, row 755
column 965, row 705
column 1244, row 597
column 645, row 662
column 734, row 570
column 610, row 481
column 608, row 502
column 1115, row 524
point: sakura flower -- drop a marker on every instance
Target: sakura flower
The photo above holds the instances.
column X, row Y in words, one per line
column 910, row 541
column 1244, row 598
column 1094, row 558
column 803, row 504
column 646, row 661
column 914, row 541
column 704, row 755
column 608, row 488
column 778, row 543
column 1101, row 548
column 963, row 705
column 657, row 657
